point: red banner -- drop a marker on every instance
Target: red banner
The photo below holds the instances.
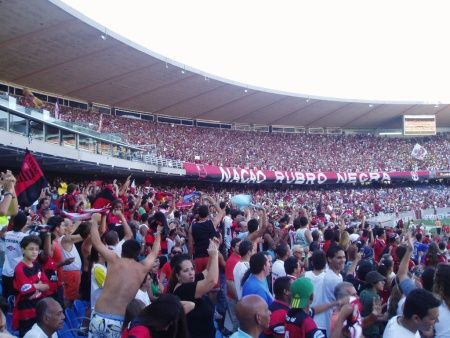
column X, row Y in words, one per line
column 238, row 175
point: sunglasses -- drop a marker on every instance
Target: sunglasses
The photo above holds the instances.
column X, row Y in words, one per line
column 177, row 252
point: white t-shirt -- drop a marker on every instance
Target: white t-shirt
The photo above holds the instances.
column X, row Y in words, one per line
column 317, row 280
column 278, row 270
column 13, row 252
column 238, row 273
column 395, row 330
column 143, row 296
column 117, row 248
column 330, row 280
column 401, row 303
column 442, row 328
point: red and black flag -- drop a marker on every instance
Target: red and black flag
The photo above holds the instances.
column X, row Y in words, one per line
column 30, row 182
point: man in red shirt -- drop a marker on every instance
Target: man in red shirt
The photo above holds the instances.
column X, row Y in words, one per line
column 380, row 244
column 231, row 323
column 280, row 307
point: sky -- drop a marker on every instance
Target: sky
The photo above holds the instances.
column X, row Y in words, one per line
column 371, row 51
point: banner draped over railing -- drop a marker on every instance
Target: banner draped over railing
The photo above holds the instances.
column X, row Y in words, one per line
column 239, row 175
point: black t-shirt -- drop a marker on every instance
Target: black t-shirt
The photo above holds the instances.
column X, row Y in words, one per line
column 200, row 320
column 202, row 232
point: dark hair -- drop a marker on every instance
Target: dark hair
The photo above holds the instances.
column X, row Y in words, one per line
column 41, row 309
column 144, row 217
column 290, row 265
column 418, row 302
column 134, row 308
column 4, row 306
column 158, row 218
column 42, row 236
column 333, row 250
column 319, row 260
column 111, row 237
column 400, row 252
column 315, row 235
column 300, row 222
column 257, row 262
column 93, row 257
column 203, row 211
column 280, row 285
column 282, row 249
column 432, row 257
column 284, row 219
column 175, row 263
column 252, row 225
column 162, row 260
column 419, row 237
column 84, row 230
column 116, row 202
column 328, row 234
column 165, row 318
column 131, row 249
column 71, row 188
column 245, row 247
column 19, row 221
column 235, row 241
column 442, row 282
column 395, row 297
column 428, row 278
column 54, row 222
column 30, row 239
column 383, row 269
column 364, row 267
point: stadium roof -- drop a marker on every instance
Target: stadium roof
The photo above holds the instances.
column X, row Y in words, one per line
column 47, row 48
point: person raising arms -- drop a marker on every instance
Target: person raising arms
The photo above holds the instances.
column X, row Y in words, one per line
column 125, row 275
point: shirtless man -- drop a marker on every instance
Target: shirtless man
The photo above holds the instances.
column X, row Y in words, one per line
column 125, row 276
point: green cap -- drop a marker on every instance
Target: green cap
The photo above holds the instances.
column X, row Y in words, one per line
column 301, row 291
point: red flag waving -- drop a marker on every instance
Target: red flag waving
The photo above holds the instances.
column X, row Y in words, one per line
column 30, row 182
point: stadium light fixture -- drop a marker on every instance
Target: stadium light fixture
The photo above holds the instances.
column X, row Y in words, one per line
column 391, row 133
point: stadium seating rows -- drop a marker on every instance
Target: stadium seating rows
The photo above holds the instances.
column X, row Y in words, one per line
column 271, row 151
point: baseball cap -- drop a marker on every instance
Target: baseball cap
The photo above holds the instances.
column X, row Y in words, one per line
column 374, row 277
column 301, row 290
column 367, row 252
column 354, row 237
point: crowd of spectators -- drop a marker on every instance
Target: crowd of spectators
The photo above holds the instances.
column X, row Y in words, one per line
column 197, row 263
column 270, row 151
